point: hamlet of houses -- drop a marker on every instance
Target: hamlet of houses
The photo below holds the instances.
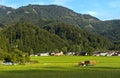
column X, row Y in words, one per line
column 109, row 53
column 95, row 53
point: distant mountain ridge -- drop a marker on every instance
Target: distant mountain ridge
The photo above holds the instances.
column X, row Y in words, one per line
column 45, row 12
column 5, row 10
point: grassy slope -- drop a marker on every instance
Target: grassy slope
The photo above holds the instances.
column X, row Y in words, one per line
column 64, row 67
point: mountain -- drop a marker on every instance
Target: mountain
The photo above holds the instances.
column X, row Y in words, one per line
column 4, row 11
column 111, row 29
column 35, row 13
column 42, row 15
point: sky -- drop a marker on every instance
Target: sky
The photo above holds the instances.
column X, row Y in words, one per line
column 102, row 9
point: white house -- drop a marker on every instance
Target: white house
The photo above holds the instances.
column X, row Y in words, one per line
column 44, row 54
column 103, row 54
column 70, row 53
column 59, row 54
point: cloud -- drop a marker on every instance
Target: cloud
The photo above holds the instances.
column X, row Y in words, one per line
column 101, row 15
column 93, row 13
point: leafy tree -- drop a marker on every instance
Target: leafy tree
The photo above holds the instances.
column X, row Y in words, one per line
column 7, row 58
column 65, row 49
column 90, row 50
column 56, row 50
column 16, row 57
column 2, row 55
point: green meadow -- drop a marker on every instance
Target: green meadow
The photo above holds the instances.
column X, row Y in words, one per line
column 64, row 67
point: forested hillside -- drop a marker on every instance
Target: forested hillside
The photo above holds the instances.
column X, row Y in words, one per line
column 109, row 29
column 76, row 36
column 41, row 28
column 30, row 38
column 54, row 36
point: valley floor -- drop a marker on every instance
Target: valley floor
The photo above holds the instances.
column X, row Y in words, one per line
column 64, row 67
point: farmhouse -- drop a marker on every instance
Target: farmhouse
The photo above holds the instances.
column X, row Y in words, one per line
column 82, row 53
column 57, row 53
column 70, row 53
column 103, row 54
column 7, row 63
column 109, row 53
column 44, row 54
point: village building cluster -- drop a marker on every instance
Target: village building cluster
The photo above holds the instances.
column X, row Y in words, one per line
column 83, row 53
column 109, row 53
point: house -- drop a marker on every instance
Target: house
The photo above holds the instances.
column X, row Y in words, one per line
column 82, row 53
column 110, row 53
column 103, row 54
column 52, row 54
column 44, row 54
column 36, row 55
column 58, row 54
column 98, row 53
column 70, row 53
column 7, row 63
column 118, row 54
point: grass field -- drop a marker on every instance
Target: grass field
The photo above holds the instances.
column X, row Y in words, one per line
column 64, row 67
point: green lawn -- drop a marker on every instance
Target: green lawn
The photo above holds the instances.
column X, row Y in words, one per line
column 64, row 67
